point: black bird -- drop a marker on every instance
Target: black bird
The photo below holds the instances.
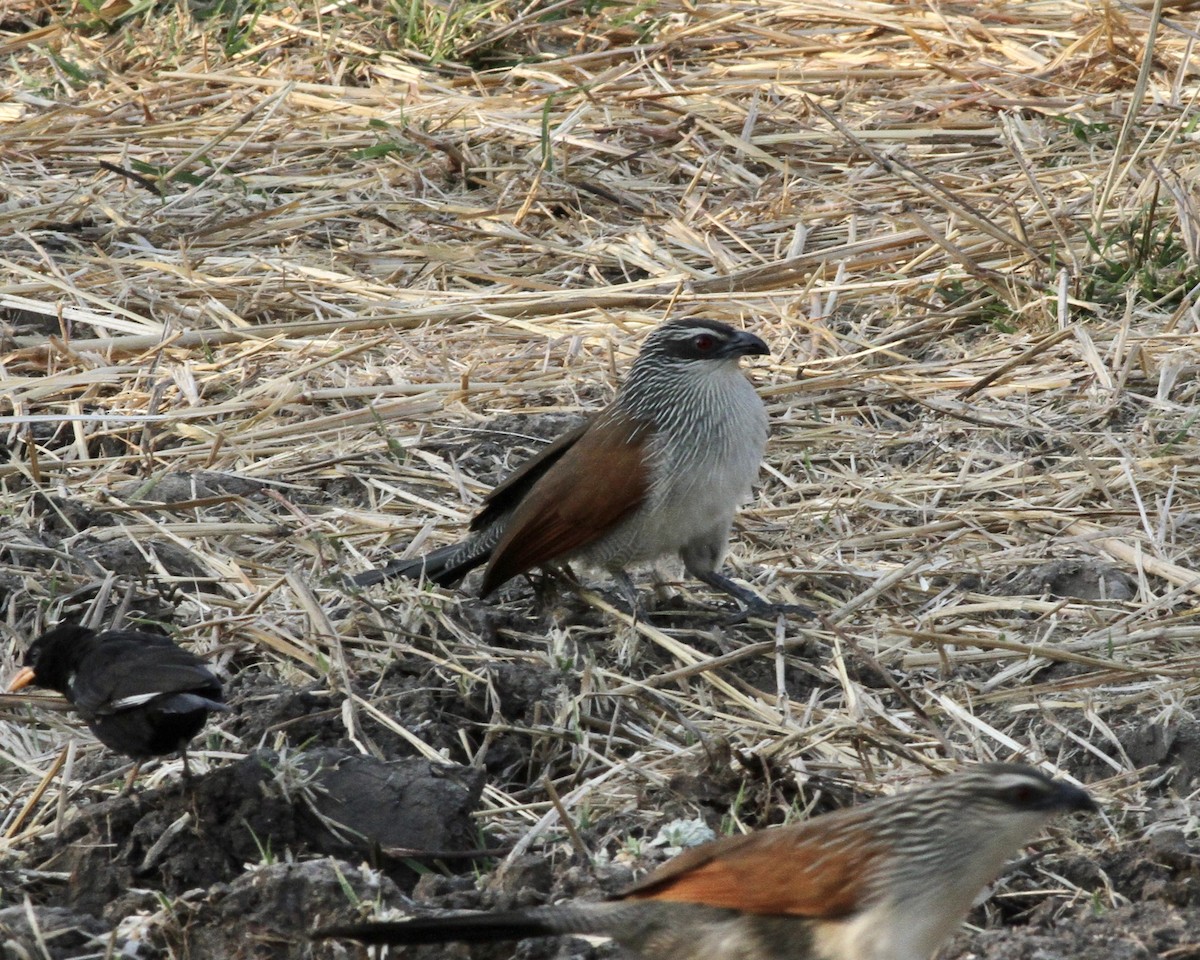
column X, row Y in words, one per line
column 139, row 693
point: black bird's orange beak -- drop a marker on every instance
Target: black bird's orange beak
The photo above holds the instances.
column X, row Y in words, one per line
column 25, row 676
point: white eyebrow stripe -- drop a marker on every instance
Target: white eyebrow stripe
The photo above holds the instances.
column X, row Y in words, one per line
column 686, row 333
column 1018, row 779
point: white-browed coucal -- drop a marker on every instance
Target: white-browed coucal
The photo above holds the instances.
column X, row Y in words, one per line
column 659, row 472
column 139, row 693
column 889, row 880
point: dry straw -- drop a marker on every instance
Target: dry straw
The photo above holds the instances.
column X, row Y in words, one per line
column 273, row 295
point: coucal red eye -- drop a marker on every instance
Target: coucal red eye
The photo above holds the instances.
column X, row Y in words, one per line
column 705, row 342
column 1023, row 796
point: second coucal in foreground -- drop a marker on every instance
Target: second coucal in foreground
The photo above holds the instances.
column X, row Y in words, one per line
column 659, row 472
column 889, row 880
column 139, row 693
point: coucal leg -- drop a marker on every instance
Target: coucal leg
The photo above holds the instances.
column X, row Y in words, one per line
column 702, row 558
column 629, row 592
column 753, row 603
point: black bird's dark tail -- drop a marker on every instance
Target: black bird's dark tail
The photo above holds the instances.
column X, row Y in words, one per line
column 464, row 928
column 190, row 703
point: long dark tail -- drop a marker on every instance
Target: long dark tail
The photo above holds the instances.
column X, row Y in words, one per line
column 445, row 566
column 464, row 928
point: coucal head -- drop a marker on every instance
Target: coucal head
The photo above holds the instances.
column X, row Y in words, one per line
column 658, row 473
column 139, row 693
column 693, row 347
column 889, row 880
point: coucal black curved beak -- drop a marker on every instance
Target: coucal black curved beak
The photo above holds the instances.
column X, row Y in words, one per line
column 746, row 345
